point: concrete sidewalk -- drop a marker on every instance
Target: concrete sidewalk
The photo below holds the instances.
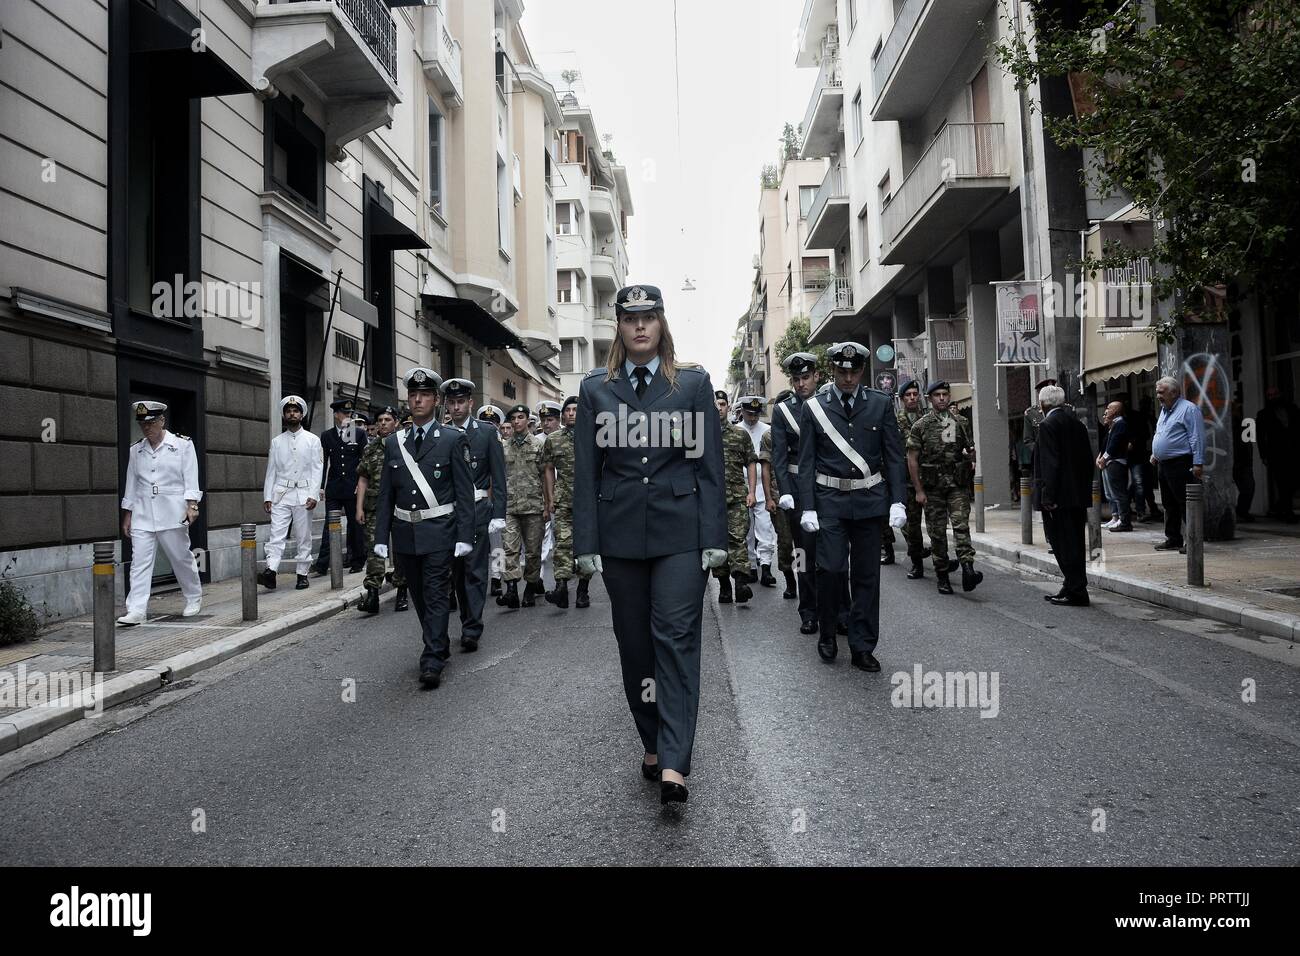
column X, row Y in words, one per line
column 1252, row 581
column 58, row 665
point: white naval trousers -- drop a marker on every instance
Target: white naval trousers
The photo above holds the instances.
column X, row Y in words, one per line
column 761, row 539
column 548, row 553
column 283, row 518
column 175, row 543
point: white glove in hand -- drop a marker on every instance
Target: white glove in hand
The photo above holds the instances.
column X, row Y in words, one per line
column 785, row 502
column 897, row 515
column 496, row 524
column 809, row 522
column 589, row 564
column 712, row 558
column 381, row 550
column 462, row 549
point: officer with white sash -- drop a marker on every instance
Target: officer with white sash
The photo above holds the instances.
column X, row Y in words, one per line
column 161, row 500
column 851, row 475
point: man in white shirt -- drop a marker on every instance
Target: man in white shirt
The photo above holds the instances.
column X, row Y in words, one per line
column 291, row 490
column 161, row 501
column 762, row 535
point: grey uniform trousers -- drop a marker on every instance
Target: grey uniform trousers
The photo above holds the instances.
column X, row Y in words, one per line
column 658, row 607
column 469, row 577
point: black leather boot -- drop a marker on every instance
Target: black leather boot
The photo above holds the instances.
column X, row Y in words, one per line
column 560, row 596
column 370, row 603
column 743, row 591
column 766, row 578
column 531, row 591
column 724, row 590
column 887, row 551
column 969, row 576
column 942, row 574
column 791, row 585
column 583, row 600
column 495, row 589
column 918, row 570
column 266, row 578
column 400, row 604
column 511, row 598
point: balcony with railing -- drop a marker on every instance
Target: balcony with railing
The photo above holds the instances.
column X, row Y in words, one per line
column 828, row 216
column 601, row 207
column 822, row 132
column 441, row 56
column 345, row 49
column 958, row 176
column 604, row 273
column 919, row 53
column 835, row 301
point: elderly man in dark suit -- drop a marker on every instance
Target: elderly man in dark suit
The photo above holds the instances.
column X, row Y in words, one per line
column 1063, row 464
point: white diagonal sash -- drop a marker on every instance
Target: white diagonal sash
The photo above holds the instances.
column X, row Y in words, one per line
column 420, row 482
column 789, row 417
column 834, row 435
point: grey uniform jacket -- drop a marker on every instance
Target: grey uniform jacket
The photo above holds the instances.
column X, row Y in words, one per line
column 487, row 462
column 646, row 502
column 785, row 448
column 872, row 431
column 444, row 459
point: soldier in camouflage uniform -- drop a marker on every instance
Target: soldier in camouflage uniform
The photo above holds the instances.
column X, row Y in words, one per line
column 369, row 471
column 940, row 458
column 908, row 416
column 558, row 460
column 525, row 520
column 739, row 475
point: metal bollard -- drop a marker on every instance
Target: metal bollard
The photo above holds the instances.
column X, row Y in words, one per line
column 1196, row 534
column 105, row 622
column 1094, row 517
column 248, row 568
column 1026, row 511
column 334, row 524
column 979, row 504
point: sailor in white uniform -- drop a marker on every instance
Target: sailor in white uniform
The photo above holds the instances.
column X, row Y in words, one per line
column 161, row 501
column 294, row 469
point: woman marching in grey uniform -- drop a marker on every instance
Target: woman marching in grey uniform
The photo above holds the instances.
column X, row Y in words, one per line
column 649, row 513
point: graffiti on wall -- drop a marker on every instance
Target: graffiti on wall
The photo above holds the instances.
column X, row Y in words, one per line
column 1205, row 383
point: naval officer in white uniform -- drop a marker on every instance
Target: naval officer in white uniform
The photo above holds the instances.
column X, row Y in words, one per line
column 161, row 501
column 294, row 469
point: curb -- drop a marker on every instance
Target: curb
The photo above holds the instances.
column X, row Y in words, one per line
column 24, row 727
column 1186, row 599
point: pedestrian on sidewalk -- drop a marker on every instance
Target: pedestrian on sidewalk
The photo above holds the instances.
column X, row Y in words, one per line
column 1063, row 463
column 1113, row 463
column 651, row 516
column 426, row 502
column 291, row 490
column 160, row 498
column 1177, row 450
column 1141, row 477
column 341, row 449
column 1278, row 429
column 370, row 472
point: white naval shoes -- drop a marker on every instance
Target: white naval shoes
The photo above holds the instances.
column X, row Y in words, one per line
column 132, row 618
column 192, row 608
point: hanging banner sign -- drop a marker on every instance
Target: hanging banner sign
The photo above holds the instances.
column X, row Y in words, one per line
column 1020, row 323
column 946, row 356
column 909, row 360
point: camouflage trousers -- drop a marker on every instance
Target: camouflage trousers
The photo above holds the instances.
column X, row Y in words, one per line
column 941, row 506
column 784, row 539
column 375, row 565
column 737, row 531
column 562, row 523
column 524, row 532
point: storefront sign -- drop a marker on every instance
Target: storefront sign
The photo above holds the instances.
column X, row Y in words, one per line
column 1020, row 323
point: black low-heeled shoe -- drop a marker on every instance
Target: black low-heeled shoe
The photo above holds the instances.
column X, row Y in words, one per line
column 670, row 792
column 650, row 771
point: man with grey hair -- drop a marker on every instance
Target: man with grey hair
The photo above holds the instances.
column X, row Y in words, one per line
column 1063, row 463
column 1178, row 453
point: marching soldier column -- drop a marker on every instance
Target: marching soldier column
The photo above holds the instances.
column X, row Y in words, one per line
column 908, row 416
column 525, row 520
column 739, row 466
column 558, row 460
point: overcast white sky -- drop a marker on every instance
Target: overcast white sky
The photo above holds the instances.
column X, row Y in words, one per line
column 696, row 209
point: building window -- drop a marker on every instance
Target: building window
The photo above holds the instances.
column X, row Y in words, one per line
column 567, row 288
column 853, row 14
column 567, row 356
column 295, row 155
column 504, row 207
column 806, row 196
column 573, row 148
column 885, row 191
column 566, row 219
column 785, row 204
column 863, row 247
column 435, row 160
column 857, row 118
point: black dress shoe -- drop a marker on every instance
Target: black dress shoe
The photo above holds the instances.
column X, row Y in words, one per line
column 670, row 792
column 583, row 599
column 649, row 771
column 827, row 647
column 1069, row 600
column 887, row 557
column 791, row 586
column 495, row 590
column 266, row 578
column 319, row 572
column 917, row 572
column 1169, row 546
column 400, row 603
column 430, row 679
column 302, row 584
column 356, row 569
column 866, row 662
column 842, row 628
column 1058, row 594
column 808, row 627
column 468, row 645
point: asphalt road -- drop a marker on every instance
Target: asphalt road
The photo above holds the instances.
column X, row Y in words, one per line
column 527, row 755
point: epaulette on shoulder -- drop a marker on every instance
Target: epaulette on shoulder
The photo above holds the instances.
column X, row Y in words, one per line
column 182, row 437
column 684, row 365
column 594, row 372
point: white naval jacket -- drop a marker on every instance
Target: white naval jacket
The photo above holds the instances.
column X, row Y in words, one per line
column 294, row 468
column 159, row 481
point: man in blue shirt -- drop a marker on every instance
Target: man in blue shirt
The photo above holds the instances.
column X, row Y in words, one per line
column 1178, row 453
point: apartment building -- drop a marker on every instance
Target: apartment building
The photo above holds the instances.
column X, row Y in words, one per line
column 593, row 201
column 215, row 204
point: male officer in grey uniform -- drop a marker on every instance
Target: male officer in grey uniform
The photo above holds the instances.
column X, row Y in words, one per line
column 802, row 369
column 342, row 447
column 851, row 469
column 426, row 502
column 487, row 462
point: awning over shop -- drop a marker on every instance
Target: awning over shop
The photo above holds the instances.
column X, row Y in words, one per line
column 386, row 231
column 165, row 33
column 1109, row 354
column 474, row 321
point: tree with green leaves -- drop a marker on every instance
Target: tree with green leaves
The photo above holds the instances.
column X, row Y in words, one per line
column 770, row 176
column 1192, row 109
column 791, row 143
column 795, row 339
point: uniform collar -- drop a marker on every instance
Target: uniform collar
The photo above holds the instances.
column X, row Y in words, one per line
column 653, row 365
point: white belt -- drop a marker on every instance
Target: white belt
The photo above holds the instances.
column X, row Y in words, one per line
column 292, row 484
column 480, row 494
column 849, row 484
column 793, row 469
column 414, row 516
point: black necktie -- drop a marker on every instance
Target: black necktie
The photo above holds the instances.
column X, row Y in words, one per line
column 847, row 399
column 641, row 373
column 419, row 438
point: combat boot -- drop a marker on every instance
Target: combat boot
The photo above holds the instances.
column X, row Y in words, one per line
column 887, row 551
column 743, row 590
column 942, row 574
column 791, row 585
column 400, row 604
column 495, row 590
column 724, row 590
column 766, row 579
column 560, row 596
column 918, row 570
column 266, row 578
column 370, row 603
column 511, row 597
column 531, row 590
column 969, row 576
column 583, row 600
